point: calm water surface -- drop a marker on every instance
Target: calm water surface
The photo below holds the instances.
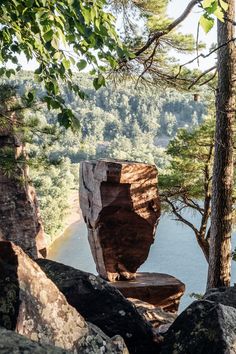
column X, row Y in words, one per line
column 175, row 251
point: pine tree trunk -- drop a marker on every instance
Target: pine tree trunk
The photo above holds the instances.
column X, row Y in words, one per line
column 222, row 184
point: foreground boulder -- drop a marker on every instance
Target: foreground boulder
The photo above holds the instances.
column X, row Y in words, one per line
column 158, row 289
column 204, row 327
column 103, row 305
column 121, row 207
column 224, row 296
column 32, row 305
column 13, row 343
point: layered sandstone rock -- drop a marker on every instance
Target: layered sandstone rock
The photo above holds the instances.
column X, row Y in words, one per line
column 103, row 305
column 160, row 290
column 121, row 207
column 20, row 220
column 32, row 305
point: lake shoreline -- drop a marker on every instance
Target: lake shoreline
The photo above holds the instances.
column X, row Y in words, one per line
column 73, row 216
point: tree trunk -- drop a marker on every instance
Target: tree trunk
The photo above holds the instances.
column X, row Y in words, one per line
column 222, row 184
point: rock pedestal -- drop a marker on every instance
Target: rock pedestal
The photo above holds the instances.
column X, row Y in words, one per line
column 160, row 290
column 121, row 207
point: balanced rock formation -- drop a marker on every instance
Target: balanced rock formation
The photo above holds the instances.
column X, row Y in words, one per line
column 205, row 327
column 160, row 290
column 13, row 343
column 121, row 207
column 32, row 305
column 20, row 220
column 103, row 305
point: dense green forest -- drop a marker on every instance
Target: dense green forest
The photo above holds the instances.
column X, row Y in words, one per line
column 115, row 121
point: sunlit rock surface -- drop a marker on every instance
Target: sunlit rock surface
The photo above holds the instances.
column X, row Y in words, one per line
column 121, row 207
column 32, row 305
column 103, row 305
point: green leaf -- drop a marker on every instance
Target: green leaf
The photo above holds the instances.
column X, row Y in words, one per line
column 207, row 3
column 48, row 36
column 99, row 82
column 55, row 42
column 224, row 5
column 206, row 23
column 66, row 63
column 81, row 64
column 219, row 14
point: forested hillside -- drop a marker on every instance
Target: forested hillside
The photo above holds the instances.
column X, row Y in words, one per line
column 120, row 122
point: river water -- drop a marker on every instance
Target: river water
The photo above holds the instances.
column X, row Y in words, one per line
column 175, row 252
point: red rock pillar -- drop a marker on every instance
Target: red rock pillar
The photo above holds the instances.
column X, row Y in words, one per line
column 20, row 220
column 121, row 207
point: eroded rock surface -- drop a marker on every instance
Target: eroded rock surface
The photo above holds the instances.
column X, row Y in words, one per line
column 20, row 220
column 160, row 319
column 160, row 290
column 205, row 327
column 13, row 343
column 121, row 207
column 32, row 305
column 103, row 305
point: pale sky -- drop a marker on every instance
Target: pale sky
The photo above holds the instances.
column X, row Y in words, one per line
column 176, row 7
column 189, row 26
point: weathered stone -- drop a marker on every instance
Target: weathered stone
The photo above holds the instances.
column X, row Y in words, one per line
column 20, row 220
column 224, row 296
column 103, row 305
column 121, row 207
column 32, row 305
column 204, row 327
column 13, row 343
column 156, row 316
column 160, row 290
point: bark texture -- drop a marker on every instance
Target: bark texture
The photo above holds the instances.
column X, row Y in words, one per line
column 222, row 184
column 121, row 207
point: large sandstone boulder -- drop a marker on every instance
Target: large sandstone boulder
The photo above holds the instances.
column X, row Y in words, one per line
column 158, row 289
column 32, row 305
column 20, row 220
column 205, row 327
column 13, row 343
column 121, row 207
column 103, row 305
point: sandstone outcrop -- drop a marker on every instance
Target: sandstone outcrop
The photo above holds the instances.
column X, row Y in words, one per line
column 160, row 319
column 20, row 220
column 103, row 305
column 13, row 343
column 205, row 327
column 120, row 205
column 160, row 290
column 32, row 305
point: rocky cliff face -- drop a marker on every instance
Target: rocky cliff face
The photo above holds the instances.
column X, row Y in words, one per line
column 20, row 220
column 121, row 207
